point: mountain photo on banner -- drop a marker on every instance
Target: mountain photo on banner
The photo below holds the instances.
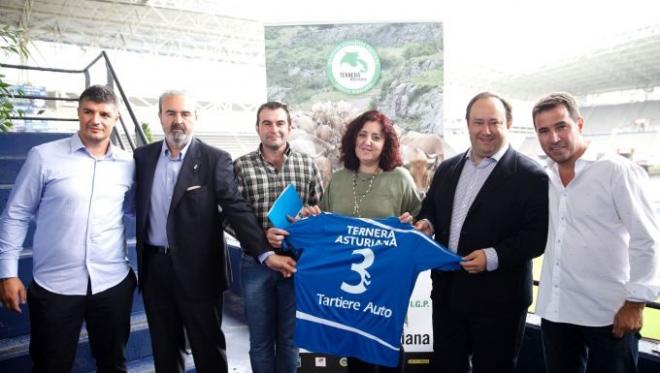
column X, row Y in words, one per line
column 328, row 74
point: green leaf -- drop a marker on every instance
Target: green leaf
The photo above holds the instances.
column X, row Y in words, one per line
column 14, row 42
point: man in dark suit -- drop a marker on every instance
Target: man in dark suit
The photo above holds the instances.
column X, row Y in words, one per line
column 490, row 205
column 182, row 263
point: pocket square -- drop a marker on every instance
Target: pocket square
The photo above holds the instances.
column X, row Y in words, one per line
column 192, row 188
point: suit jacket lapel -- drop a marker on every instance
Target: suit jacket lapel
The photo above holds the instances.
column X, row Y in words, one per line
column 187, row 175
column 152, row 152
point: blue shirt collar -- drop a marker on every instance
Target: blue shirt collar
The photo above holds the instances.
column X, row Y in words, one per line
column 165, row 151
column 76, row 144
column 496, row 157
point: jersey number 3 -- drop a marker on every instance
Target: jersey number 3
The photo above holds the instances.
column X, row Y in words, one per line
column 361, row 269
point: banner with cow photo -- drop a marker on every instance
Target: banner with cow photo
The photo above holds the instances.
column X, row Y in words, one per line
column 328, row 74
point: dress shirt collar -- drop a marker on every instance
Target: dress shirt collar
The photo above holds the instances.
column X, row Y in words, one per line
column 589, row 156
column 287, row 152
column 77, row 144
column 496, row 157
column 165, row 151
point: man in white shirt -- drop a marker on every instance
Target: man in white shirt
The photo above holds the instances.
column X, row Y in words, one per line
column 601, row 258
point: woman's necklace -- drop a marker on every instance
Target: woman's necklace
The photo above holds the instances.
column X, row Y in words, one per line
column 357, row 201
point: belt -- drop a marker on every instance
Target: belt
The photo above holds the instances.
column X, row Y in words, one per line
column 162, row 250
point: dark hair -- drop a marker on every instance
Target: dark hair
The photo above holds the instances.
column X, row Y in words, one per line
column 98, row 94
column 552, row 100
column 274, row 105
column 390, row 156
column 507, row 106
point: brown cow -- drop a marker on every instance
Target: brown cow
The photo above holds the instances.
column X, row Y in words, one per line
column 429, row 143
column 421, row 166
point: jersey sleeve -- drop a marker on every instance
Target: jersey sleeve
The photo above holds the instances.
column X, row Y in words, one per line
column 304, row 234
column 430, row 255
column 427, row 254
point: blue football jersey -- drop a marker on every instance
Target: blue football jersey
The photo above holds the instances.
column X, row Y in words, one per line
column 353, row 283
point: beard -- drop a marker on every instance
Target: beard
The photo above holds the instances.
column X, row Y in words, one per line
column 177, row 136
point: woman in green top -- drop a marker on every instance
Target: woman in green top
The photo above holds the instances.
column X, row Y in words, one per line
column 372, row 185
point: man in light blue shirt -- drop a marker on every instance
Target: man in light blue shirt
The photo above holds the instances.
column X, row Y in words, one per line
column 78, row 190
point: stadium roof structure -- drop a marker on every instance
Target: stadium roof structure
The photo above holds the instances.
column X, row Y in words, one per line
column 190, row 29
column 173, row 28
column 198, row 29
column 631, row 61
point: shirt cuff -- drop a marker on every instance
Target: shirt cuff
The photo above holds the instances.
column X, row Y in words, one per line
column 262, row 258
column 8, row 268
column 641, row 293
column 491, row 259
column 429, row 223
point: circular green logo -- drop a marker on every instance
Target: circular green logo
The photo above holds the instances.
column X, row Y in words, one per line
column 353, row 67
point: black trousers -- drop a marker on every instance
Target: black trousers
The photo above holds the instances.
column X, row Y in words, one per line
column 489, row 341
column 170, row 311
column 569, row 348
column 56, row 321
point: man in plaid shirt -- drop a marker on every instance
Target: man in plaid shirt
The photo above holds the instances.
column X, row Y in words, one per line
column 269, row 297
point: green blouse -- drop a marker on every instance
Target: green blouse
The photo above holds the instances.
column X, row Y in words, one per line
column 391, row 194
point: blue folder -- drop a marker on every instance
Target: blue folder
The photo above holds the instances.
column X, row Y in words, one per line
column 288, row 204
